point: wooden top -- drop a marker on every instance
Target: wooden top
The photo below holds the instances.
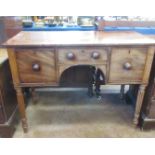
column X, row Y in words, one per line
column 73, row 38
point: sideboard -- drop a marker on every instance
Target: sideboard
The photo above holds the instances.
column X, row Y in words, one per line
column 39, row 59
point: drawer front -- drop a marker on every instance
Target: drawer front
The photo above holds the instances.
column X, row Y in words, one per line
column 36, row 65
column 82, row 55
column 127, row 65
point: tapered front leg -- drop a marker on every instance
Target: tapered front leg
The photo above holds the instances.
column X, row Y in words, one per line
column 21, row 106
column 139, row 102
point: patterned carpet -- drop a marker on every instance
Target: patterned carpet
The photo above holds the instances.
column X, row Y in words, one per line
column 68, row 113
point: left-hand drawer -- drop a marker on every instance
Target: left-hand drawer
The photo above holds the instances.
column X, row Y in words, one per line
column 36, row 65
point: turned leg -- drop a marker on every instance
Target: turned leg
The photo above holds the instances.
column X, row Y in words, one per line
column 122, row 91
column 21, row 106
column 34, row 96
column 139, row 102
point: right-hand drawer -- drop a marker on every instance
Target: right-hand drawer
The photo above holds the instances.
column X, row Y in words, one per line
column 127, row 64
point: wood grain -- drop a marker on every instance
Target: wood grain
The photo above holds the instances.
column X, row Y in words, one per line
column 140, row 96
column 74, row 38
column 153, row 92
column 148, row 64
column 45, row 58
column 83, row 55
column 151, row 111
column 13, row 66
column 135, row 56
column 21, row 106
column 48, row 50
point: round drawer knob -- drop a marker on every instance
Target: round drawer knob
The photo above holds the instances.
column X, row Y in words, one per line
column 36, row 67
column 127, row 66
column 70, row 56
column 95, row 55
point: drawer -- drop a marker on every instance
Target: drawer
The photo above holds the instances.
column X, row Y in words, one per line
column 82, row 55
column 36, row 65
column 127, row 65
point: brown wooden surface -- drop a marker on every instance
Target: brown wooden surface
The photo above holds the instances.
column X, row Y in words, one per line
column 148, row 108
column 49, row 50
column 45, row 58
column 9, row 26
column 8, row 101
column 83, row 55
column 72, row 38
column 153, row 92
column 140, row 96
column 135, row 56
column 7, row 91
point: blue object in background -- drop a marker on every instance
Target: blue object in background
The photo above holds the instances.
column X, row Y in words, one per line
column 143, row 30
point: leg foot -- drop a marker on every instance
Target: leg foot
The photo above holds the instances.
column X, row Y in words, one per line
column 21, row 106
column 25, row 125
column 135, row 120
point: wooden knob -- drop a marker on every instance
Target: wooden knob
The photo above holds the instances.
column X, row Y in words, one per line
column 95, row 55
column 127, row 66
column 70, row 56
column 36, row 67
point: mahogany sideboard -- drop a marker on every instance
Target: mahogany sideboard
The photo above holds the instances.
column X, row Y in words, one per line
column 39, row 59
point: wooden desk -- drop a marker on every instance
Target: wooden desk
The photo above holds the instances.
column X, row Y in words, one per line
column 39, row 59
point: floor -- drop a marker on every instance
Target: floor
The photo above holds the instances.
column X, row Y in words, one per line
column 71, row 113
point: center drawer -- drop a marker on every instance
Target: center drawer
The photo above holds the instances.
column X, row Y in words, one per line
column 36, row 65
column 82, row 55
